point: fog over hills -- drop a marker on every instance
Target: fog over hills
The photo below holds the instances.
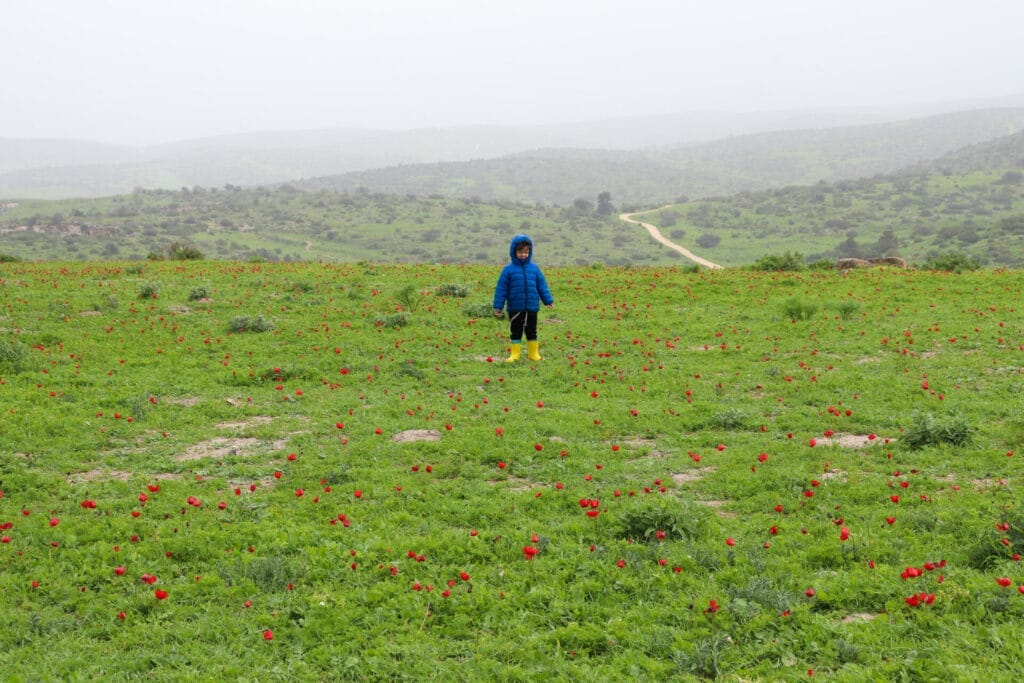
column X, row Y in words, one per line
column 67, row 168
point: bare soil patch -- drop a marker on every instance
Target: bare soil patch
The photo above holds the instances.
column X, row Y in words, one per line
column 251, row 422
column 416, row 435
column 219, row 447
column 691, row 475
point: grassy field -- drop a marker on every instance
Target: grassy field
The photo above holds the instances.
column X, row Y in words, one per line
column 303, row 471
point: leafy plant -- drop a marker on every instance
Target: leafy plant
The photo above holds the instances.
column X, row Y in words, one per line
column 452, row 290
column 149, row 290
column 392, row 321
column 786, row 262
column 409, row 298
column 952, row 262
column 925, row 429
column 798, row 309
column 248, row 323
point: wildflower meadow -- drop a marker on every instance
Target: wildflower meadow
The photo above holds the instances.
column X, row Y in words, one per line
column 308, row 471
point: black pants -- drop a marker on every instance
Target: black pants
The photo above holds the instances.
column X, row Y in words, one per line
column 520, row 321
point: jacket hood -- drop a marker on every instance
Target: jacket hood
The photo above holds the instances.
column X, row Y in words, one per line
column 512, row 247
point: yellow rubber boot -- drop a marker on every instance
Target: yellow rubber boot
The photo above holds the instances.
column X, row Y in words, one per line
column 517, row 348
column 533, row 350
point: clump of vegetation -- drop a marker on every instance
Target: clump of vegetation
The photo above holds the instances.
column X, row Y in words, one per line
column 927, row 430
column 730, row 418
column 452, row 290
column 409, row 298
column 786, row 261
column 846, row 308
column 662, row 521
column 200, row 292
column 149, row 290
column 248, row 323
column 392, row 321
column 478, row 310
column 13, row 355
column 9, row 258
column 797, row 309
column 953, row 262
column 177, row 251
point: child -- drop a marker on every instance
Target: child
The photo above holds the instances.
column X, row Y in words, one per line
column 522, row 286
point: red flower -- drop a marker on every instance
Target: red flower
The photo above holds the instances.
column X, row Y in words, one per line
column 529, row 552
column 844, row 534
column 268, row 635
column 160, row 594
column 1003, row 581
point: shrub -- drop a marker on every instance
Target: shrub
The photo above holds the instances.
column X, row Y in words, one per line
column 846, row 308
column 795, row 309
column 392, row 322
column 409, row 298
column 927, row 430
column 13, row 355
column 9, row 258
column 452, row 290
column 246, row 323
column 197, row 293
column 181, row 251
column 954, row 262
column 787, row 261
column 677, row 521
column 149, row 290
column 478, row 310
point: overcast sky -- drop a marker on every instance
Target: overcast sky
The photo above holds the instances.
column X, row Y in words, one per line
column 148, row 71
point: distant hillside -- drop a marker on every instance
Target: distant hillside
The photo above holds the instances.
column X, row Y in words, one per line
column 723, row 167
column 68, row 168
column 969, row 202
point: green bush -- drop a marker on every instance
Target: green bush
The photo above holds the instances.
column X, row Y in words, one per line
column 197, row 293
column 13, row 355
column 953, row 262
column 247, row 323
column 452, row 290
column 787, row 261
column 149, row 290
column 9, row 258
column 927, row 430
column 409, row 298
column 181, row 251
column 478, row 310
column 682, row 520
column 795, row 309
column 393, row 321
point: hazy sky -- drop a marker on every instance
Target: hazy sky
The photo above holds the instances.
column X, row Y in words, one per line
column 147, row 71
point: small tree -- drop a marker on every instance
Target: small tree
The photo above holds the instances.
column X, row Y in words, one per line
column 604, row 204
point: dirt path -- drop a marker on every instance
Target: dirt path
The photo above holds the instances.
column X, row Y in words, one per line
column 656, row 234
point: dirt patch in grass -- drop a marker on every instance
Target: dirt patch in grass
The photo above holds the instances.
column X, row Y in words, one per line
column 251, row 422
column 691, row 475
column 852, row 441
column 858, row 616
column 717, row 506
column 416, row 435
column 514, row 483
column 186, row 402
column 98, row 475
column 219, row 447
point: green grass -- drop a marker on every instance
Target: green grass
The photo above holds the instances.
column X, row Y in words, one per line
column 686, row 403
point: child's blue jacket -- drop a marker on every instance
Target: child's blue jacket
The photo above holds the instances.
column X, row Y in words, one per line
column 521, row 284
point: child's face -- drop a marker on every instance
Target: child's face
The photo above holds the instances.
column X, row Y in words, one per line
column 522, row 252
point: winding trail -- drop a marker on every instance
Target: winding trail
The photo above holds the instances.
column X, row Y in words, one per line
column 656, row 234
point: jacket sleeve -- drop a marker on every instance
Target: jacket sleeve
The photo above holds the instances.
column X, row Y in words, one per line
column 542, row 289
column 501, row 291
